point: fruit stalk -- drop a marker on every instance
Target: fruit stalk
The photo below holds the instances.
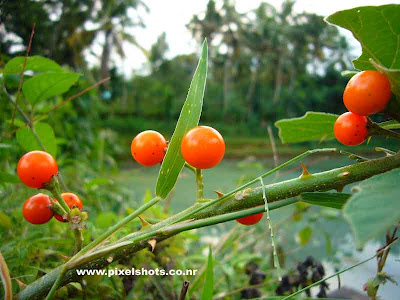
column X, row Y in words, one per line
column 199, row 184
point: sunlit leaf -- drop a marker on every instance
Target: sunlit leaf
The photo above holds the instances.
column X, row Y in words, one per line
column 377, row 29
column 313, row 126
column 27, row 140
column 173, row 161
column 46, row 85
column 33, row 63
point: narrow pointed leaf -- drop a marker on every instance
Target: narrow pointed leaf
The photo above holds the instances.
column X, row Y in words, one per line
column 313, row 126
column 190, row 115
column 334, row 200
column 208, row 288
column 46, row 85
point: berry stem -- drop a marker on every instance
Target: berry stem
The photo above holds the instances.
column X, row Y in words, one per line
column 191, row 168
column 375, row 130
column 200, row 185
column 54, row 187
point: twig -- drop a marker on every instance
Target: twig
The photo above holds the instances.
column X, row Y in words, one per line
column 5, row 278
column 184, row 290
column 22, row 73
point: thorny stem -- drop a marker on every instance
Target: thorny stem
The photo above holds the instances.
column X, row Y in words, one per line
column 56, row 283
column 275, row 192
column 226, row 196
column 115, row 228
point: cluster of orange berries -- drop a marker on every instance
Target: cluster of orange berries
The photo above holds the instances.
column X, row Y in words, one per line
column 35, row 169
column 202, row 147
column 366, row 93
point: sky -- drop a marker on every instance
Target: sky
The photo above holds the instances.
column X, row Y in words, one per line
column 171, row 17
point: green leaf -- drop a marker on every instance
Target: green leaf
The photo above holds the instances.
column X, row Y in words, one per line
column 8, row 178
column 208, row 288
column 43, row 86
column 190, row 115
column 374, row 207
column 313, row 126
column 5, row 221
column 334, row 200
column 377, row 28
column 392, row 124
column 27, row 140
column 304, row 236
column 34, row 63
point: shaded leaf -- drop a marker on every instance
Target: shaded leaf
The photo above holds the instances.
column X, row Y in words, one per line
column 46, row 135
column 173, row 161
column 334, row 200
column 46, row 85
column 33, row 63
column 374, row 207
column 313, row 126
column 208, row 288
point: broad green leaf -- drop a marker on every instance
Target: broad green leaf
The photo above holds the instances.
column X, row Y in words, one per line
column 334, row 200
column 5, row 221
column 208, row 288
column 190, row 115
column 8, row 178
column 45, row 85
column 377, row 28
column 313, row 126
column 374, row 207
column 33, row 63
column 304, row 236
column 27, row 140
